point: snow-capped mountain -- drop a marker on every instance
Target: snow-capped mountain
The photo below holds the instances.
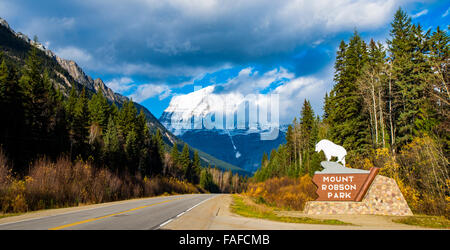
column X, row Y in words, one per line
column 228, row 126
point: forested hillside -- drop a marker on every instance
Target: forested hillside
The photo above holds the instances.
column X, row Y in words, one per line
column 66, row 75
column 389, row 107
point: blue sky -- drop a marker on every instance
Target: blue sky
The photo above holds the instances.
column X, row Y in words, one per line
column 152, row 50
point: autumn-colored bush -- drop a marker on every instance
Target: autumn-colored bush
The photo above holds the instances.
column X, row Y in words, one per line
column 284, row 192
column 421, row 172
column 161, row 185
column 63, row 183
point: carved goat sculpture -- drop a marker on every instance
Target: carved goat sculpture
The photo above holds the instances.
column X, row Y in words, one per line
column 330, row 149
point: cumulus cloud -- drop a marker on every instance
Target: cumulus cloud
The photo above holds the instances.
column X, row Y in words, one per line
column 154, row 37
column 121, row 84
column 250, row 81
column 76, row 54
column 149, row 90
column 291, row 90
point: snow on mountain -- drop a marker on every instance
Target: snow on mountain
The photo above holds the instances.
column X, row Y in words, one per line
column 205, row 109
column 228, row 126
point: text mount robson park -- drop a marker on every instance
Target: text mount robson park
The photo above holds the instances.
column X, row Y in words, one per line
column 343, row 190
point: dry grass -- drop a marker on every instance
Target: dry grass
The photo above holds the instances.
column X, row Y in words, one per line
column 244, row 206
column 63, row 183
column 285, row 192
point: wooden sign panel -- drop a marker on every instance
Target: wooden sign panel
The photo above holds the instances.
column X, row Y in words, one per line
column 343, row 186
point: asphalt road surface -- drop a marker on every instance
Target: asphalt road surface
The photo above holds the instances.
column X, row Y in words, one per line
column 142, row 214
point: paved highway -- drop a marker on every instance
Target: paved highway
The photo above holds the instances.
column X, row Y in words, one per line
column 143, row 214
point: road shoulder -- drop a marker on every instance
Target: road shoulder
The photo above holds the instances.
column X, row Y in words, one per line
column 215, row 214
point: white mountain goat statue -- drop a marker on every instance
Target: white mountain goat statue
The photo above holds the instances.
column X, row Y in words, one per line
column 330, row 149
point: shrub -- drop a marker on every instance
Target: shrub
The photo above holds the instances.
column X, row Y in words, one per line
column 284, row 192
column 63, row 183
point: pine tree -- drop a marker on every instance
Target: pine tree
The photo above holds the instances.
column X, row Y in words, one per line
column 157, row 153
column 185, row 163
column 80, row 125
column 408, row 50
column 290, row 144
column 38, row 106
column 400, row 49
column 307, row 140
column 11, row 110
column 112, row 146
column 175, row 154
column 132, row 150
column 196, row 168
column 99, row 110
column 126, row 118
column 439, row 93
column 347, row 123
column 264, row 160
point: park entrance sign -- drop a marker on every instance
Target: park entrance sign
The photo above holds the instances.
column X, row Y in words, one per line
column 343, row 190
column 344, row 184
column 336, row 182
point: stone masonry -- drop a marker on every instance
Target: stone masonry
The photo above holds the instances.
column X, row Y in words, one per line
column 382, row 198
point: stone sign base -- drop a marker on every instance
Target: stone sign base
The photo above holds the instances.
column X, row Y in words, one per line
column 382, row 198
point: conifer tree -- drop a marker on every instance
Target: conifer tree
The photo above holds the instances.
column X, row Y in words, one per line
column 347, row 124
column 439, row 93
column 11, row 110
column 185, row 163
column 157, row 153
column 99, row 110
column 112, row 146
column 175, row 154
column 80, row 125
column 196, row 168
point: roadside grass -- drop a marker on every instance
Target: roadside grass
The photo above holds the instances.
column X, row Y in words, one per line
column 9, row 215
column 245, row 207
column 425, row 221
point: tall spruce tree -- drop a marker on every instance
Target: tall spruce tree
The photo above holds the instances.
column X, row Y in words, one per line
column 439, row 92
column 11, row 110
column 347, row 122
column 99, row 110
column 196, row 168
column 185, row 162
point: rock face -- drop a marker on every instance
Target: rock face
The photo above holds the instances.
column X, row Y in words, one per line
column 71, row 67
column 383, row 198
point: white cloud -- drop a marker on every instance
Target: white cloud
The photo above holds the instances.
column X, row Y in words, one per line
column 250, row 81
column 80, row 56
column 421, row 13
column 446, row 12
column 293, row 93
column 120, row 84
column 149, row 90
column 221, row 31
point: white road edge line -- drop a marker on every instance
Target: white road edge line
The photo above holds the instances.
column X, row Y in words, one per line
column 165, row 223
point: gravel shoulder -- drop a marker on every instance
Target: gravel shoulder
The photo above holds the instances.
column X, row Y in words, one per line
column 215, row 214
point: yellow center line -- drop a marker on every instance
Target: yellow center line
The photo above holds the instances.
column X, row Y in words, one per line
column 109, row 215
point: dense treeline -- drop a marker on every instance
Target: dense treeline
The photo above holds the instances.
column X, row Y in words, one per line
column 389, row 108
column 41, row 122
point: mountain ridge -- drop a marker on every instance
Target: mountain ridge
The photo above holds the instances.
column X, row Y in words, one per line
column 66, row 74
